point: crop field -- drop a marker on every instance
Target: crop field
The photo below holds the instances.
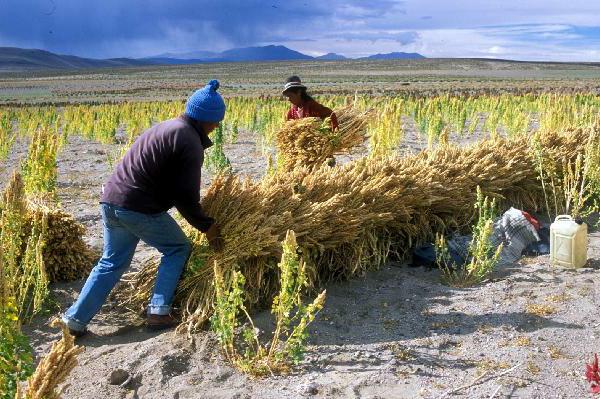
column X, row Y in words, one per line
column 314, row 294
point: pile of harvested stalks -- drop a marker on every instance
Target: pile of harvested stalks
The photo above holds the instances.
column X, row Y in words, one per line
column 66, row 256
column 54, row 369
column 311, row 142
column 348, row 219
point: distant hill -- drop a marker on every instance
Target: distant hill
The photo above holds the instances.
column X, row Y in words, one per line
column 171, row 61
column 264, row 53
column 394, row 56
column 331, row 57
column 260, row 53
column 18, row 59
column 190, row 55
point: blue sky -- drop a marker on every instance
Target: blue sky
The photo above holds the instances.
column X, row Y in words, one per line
column 514, row 29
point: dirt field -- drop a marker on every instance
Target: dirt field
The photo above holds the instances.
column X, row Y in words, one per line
column 396, row 333
column 415, row 77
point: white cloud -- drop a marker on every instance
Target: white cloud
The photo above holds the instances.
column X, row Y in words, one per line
column 513, row 29
column 496, row 50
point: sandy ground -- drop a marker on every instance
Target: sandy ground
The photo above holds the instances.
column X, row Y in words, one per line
column 396, row 333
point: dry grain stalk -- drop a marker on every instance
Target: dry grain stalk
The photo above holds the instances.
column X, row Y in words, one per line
column 347, row 219
column 311, row 142
column 54, row 369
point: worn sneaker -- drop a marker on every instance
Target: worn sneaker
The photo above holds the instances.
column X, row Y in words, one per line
column 157, row 322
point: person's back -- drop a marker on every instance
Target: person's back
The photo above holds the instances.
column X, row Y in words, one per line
column 147, row 179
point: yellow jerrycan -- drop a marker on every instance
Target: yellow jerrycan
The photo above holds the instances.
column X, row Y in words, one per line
column 568, row 242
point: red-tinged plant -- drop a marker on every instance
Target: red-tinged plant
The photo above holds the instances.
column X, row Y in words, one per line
column 592, row 374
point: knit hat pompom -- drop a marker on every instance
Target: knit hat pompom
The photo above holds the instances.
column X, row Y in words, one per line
column 214, row 84
column 206, row 105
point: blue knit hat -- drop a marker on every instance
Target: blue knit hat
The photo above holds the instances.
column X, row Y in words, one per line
column 206, row 104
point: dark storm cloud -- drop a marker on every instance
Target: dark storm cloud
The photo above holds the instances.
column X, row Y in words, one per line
column 114, row 27
column 533, row 29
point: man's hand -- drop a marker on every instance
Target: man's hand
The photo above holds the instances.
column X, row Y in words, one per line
column 214, row 238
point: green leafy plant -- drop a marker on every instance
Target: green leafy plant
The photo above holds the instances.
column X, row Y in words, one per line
column 546, row 175
column 40, row 172
column 7, row 136
column 288, row 343
column 32, row 286
column 216, row 160
column 16, row 359
column 571, row 186
column 581, row 179
column 483, row 258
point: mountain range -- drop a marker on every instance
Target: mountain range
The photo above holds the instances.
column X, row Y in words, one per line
column 18, row 59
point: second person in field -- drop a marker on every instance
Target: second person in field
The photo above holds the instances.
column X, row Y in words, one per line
column 303, row 105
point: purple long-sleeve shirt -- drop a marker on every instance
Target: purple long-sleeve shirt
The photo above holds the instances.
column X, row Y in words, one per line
column 162, row 170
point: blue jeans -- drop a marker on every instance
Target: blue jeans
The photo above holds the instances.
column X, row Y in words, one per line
column 123, row 229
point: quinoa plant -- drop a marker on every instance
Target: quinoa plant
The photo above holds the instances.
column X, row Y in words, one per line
column 290, row 324
column 32, row 287
column 572, row 185
column 7, row 136
column 22, row 270
column 12, row 228
column 581, row 179
column 546, row 176
column 288, row 343
column 483, row 258
column 40, row 172
column 216, row 160
column 16, row 358
column 15, row 353
column 116, row 155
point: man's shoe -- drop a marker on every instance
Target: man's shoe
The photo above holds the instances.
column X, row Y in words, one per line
column 157, row 322
column 78, row 333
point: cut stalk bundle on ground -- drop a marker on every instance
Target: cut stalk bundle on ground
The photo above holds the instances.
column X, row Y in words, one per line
column 54, row 369
column 66, row 256
column 348, row 219
column 62, row 251
column 311, row 142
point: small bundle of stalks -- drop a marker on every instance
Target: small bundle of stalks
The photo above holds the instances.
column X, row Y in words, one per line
column 66, row 256
column 54, row 368
column 347, row 219
column 311, row 142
